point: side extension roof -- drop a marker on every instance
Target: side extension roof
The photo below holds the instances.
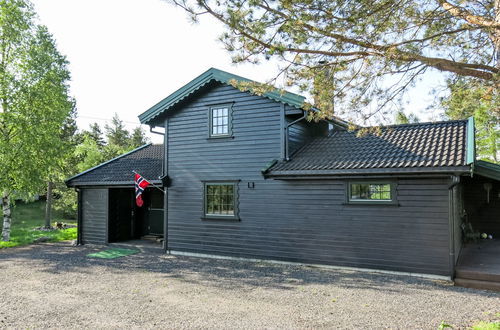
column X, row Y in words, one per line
column 421, row 147
column 146, row 160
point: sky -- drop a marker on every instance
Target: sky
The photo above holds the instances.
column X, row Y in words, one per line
column 127, row 55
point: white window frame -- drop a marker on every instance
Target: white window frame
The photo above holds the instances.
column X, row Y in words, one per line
column 223, row 116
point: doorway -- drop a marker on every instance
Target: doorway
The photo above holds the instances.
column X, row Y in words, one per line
column 127, row 221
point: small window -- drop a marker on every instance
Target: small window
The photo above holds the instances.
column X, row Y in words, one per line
column 371, row 192
column 220, row 121
column 220, row 200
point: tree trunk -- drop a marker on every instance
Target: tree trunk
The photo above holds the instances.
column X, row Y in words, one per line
column 48, row 205
column 6, row 217
column 496, row 32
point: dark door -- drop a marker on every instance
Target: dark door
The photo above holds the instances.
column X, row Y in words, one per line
column 121, row 216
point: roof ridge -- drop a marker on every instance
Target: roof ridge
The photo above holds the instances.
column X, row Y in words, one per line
column 420, row 124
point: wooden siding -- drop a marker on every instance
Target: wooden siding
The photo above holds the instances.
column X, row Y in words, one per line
column 457, row 220
column 484, row 217
column 94, row 216
column 303, row 221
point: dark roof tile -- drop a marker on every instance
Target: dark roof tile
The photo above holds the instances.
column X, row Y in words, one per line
column 441, row 144
column 146, row 160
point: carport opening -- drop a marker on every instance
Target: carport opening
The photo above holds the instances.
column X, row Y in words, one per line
column 478, row 261
column 482, row 207
column 127, row 221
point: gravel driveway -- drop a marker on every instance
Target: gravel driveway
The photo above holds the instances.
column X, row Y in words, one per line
column 57, row 286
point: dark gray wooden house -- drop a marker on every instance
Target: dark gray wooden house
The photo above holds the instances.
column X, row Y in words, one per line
column 248, row 176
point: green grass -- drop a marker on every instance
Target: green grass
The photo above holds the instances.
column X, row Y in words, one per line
column 487, row 326
column 445, row 325
column 25, row 217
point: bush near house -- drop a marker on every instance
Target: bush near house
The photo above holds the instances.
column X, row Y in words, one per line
column 26, row 217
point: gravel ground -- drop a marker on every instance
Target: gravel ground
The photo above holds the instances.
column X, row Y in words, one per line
column 57, row 286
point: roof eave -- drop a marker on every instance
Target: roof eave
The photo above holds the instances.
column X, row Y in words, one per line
column 108, row 183
column 487, row 169
column 369, row 171
column 150, row 114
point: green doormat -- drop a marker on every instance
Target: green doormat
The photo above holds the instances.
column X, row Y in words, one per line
column 112, row 253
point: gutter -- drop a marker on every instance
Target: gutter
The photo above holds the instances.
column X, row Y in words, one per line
column 154, row 132
column 111, row 184
column 79, row 240
column 165, row 181
column 164, row 152
column 313, row 174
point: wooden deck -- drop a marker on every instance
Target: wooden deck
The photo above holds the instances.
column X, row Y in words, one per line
column 479, row 265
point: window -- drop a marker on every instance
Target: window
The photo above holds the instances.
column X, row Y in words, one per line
column 371, row 192
column 220, row 121
column 220, row 200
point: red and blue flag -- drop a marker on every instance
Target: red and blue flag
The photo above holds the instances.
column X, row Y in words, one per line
column 140, row 185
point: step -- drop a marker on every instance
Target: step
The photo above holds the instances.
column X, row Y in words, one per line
column 475, row 274
column 477, row 284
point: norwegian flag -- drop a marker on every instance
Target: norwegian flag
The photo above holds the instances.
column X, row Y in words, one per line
column 140, row 185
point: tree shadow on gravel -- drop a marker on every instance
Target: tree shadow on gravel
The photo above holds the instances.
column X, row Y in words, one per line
column 58, row 258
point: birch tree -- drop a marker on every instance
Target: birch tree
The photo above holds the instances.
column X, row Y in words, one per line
column 34, row 102
column 351, row 54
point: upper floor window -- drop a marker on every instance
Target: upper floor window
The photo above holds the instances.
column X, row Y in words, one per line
column 377, row 192
column 220, row 121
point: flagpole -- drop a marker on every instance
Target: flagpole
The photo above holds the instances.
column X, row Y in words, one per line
column 151, row 183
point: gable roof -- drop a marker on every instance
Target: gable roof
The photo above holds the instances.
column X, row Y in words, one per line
column 146, row 160
column 412, row 147
column 212, row 74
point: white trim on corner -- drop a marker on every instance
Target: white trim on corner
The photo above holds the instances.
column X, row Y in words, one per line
column 354, row 269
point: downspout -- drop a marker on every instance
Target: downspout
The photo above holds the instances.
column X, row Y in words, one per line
column 452, row 196
column 164, row 170
column 151, row 130
column 287, row 152
column 162, row 134
column 79, row 217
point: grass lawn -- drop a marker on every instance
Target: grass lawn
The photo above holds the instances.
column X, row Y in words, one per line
column 25, row 217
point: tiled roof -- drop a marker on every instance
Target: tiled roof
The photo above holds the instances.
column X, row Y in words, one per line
column 146, row 160
column 423, row 145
